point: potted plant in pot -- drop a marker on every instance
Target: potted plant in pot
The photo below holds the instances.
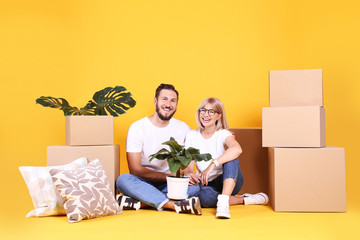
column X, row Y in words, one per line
column 92, row 124
column 178, row 158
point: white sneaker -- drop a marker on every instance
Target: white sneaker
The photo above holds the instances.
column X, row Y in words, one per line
column 258, row 198
column 222, row 210
column 127, row 203
column 189, row 205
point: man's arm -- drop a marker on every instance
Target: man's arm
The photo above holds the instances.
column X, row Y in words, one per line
column 134, row 163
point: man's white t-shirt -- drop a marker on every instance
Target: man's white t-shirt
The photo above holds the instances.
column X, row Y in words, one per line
column 215, row 145
column 146, row 138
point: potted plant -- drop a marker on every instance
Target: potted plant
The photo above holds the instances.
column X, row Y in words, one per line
column 178, row 158
column 92, row 124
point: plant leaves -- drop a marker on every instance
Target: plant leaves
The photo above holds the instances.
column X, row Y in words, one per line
column 179, row 157
column 184, row 160
column 192, row 150
column 109, row 101
column 162, row 151
column 52, row 102
column 113, row 101
column 174, row 146
column 174, row 165
column 202, row 157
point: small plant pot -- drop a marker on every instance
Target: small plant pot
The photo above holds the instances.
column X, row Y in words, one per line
column 177, row 187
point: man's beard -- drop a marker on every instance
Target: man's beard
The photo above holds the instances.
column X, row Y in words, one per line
column 162, row 117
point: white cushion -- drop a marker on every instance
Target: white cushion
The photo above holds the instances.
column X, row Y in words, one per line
column 45, row 197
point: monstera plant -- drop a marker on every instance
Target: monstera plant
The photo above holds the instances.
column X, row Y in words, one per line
column 108, row 101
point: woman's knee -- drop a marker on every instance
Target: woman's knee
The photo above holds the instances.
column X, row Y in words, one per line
column 208, row 198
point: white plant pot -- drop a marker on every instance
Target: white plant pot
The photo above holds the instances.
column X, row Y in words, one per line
column 177, row 187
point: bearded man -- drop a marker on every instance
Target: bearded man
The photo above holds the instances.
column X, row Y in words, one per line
column 146, row 183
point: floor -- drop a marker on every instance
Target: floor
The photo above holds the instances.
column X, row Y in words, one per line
column 251, row 222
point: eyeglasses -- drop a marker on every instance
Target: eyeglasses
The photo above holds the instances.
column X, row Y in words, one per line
column 211, row 112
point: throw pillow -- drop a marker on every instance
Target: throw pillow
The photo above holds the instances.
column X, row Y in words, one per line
column 86, row 192
column 45, row 197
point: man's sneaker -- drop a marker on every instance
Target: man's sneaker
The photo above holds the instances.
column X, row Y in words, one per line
column 258, row 198
column 189, row 205
column 127, row 203
column 222, row 210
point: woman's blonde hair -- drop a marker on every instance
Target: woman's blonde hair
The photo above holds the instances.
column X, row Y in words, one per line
column 216, row 105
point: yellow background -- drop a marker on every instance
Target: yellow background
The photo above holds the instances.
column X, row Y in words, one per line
column 225, row 49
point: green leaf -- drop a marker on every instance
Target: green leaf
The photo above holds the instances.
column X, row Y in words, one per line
column 192, row 150
column 184, row 160
column 174, row 146
column 113, row 101
column 87, row 110
column 162, row 152
column 52, row 102
column 202, row 157
column 174, row 165
column 62, row 104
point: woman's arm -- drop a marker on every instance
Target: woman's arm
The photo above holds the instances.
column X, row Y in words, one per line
column 233, row 151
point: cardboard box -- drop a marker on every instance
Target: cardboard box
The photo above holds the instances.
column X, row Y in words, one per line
column 89, row 130
column 293, row 127
column 307, row 179
column 296, row 88
column 108, row 155
column 253, row 160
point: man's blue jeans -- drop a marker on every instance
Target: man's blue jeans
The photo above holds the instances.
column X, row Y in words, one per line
column 150, row 193
column 208, row 194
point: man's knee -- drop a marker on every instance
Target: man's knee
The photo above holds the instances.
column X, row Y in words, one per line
column 123, row 179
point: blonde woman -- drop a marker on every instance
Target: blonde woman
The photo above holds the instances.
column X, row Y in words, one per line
column 221, row 178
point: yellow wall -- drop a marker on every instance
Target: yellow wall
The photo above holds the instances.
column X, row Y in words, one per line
column 205, row 48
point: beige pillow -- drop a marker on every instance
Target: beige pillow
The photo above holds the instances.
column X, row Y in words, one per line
column 45, row 197
column 86, row 192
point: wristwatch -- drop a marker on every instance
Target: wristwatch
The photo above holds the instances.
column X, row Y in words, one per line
column 215, row 161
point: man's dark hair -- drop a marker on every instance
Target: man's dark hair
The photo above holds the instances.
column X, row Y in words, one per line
column 167, row 87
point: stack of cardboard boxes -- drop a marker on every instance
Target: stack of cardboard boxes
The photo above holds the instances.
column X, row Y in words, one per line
column 91, row 137
column 304, row 174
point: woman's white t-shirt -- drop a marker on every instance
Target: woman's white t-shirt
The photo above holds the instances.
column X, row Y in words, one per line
column 215, row 145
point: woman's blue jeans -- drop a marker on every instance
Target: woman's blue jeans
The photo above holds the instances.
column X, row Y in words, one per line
column 208, row 194
column 150, row 193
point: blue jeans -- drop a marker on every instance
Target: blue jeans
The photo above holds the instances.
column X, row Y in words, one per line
column 150, row 193
column 208, row 194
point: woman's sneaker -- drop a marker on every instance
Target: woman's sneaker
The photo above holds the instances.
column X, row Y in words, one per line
column 127, row 203
column 258, row 198
column 222, row 210
column 189, row 205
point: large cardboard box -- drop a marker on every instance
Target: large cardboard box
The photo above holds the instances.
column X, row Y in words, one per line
column 253, row 160
column 108, row 155
column 296, row 88
column 293, row 126
column 89, row 130
column 307, row 179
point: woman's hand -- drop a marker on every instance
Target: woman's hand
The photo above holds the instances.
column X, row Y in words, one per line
column 194, row 179
column 204, row 176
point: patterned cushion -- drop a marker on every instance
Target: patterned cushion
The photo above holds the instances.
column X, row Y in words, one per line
column 86, row 192
column 45, row 197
